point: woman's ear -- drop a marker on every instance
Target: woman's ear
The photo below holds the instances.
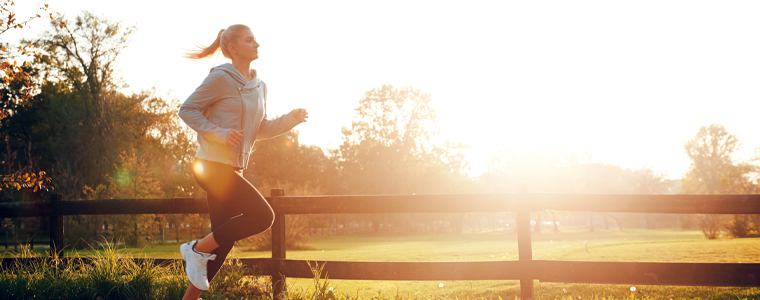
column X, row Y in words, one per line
column 231, row 47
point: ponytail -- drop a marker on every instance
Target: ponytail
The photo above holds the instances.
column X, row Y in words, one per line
column 204, row 52
column 222, row 42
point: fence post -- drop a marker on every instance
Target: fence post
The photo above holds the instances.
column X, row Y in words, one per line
column 278, row 248
column 523, row 240
column 56, row 227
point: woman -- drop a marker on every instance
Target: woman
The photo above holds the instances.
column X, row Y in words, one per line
column 228, row 110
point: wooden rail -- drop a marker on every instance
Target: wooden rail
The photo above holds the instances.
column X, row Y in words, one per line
column 525, row 269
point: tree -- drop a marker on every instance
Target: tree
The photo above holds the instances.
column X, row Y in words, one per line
column 283, row 162
column 394, row 146
column 17, row 82
column 710, row 151
column 743, row 179
column 17, row 85
column 646, row 181
column 82, row 55
column 88, row 49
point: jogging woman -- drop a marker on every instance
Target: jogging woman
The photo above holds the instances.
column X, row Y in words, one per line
column 228, row 110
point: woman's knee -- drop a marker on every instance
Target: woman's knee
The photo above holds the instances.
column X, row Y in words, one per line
column 270, row 218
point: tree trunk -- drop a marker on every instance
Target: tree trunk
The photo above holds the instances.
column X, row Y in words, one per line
column 616, row 221
column 554, row 221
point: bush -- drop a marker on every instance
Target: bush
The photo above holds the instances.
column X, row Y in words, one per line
column 109, row 275
column 712, row 225
column 234, row 281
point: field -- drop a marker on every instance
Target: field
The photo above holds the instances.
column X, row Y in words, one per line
column 579, row 245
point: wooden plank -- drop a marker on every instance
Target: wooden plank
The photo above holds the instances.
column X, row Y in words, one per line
column 450, row 203
column 690, row 274
column 260, row 266
column 133, row 206
column 24, row 209
column 687, row 274
column 364, row 270
column 457, row 203
column 672, row 204
column 524, row 247
column 105, row 207
column 56, row 228
column 279, row 244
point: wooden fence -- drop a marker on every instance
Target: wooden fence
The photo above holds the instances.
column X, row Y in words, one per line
column 525, row 269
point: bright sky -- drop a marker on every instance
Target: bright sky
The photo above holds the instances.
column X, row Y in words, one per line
column 630, row 81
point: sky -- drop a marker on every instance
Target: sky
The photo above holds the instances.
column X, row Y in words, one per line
column 628, row 81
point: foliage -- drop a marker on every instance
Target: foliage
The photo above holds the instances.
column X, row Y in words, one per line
column 282, row 162
column 109, row 275
column 79, row 124
column 714, row 170
column 711, row 153
column 235, row 280
column 394, row 147
column 95, row 139
column 17, row 84
column 87, row 49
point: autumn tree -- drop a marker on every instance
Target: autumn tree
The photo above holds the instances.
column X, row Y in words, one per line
column 17, row 78
column 79, row 123
column 18, row 83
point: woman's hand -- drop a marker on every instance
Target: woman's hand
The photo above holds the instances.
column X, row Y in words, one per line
column 300, row 114
column 234, row 137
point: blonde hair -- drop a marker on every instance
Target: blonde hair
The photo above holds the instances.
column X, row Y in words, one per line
column 223, row 40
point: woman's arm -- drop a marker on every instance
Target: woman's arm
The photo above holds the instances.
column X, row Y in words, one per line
column 192, row 109
column 273, row 128
column 283, row 124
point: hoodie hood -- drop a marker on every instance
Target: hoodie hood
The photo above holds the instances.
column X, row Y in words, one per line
column 235, row 74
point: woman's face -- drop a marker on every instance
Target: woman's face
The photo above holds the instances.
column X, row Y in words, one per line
column 246, row 48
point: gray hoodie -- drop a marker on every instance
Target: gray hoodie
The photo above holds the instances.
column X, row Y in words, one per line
column 226, row 100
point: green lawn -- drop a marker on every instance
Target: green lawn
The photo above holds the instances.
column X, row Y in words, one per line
column 602, row 245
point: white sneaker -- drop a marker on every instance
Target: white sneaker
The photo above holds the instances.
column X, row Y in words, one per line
column 195, row 265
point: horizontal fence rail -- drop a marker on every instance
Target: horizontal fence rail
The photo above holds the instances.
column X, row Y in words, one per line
column 448, row 203
column 525, row 269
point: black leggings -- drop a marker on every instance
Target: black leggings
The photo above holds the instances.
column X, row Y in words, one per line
column 236, row 209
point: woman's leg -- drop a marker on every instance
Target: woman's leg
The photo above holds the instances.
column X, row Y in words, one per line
column 236, row 209
column 192, row 293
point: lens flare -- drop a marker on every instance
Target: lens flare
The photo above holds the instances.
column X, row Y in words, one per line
column 198, row 168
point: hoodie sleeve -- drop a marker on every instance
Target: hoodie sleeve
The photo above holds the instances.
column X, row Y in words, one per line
column 192, row 109
column 273, row 128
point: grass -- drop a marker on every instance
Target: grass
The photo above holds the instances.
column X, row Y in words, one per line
column 602, row 245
